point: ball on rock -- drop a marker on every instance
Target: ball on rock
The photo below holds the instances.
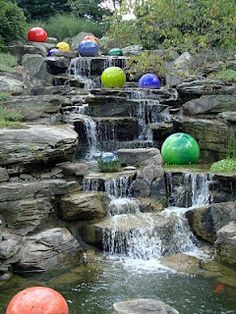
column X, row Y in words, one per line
column 63, row 46
column 115, row 52
column 37, row 34
column 91, row 38
column 88, row 48
column 51, row 52
column 180, row 149
column 149, row 80
column 108, row 162
column 38, row 300
column 113, row 77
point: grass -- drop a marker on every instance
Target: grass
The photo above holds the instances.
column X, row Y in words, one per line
column 227, row 165
column 65, row 25
column 10, row 118
column 224, row 75
column 7, row 62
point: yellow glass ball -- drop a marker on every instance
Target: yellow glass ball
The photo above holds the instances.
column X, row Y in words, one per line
column 63, row 46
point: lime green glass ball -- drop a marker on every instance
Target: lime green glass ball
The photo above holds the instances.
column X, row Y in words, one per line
column 180, row 149
column 113, row 77
column 115, row 52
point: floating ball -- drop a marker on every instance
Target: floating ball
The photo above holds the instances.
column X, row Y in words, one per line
column 180, row 149
column 108, row 162
column 38, row 300
column 113, row 77
column 52, row 51
column 63, row 46
column 88, row 48
column 91, row 38
column 149, row 80
column 115, row 52
column 37, row 34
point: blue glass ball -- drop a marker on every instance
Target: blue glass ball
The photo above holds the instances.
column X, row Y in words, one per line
column 107, row 157
column 88, row 49
column 149, row 80
column 52, row 51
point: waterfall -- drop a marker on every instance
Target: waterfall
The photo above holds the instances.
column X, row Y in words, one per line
column 188, row 189
column 120, row 206
column 80, row 68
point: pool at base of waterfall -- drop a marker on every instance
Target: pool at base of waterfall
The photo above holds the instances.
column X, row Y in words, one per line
column 94, row 289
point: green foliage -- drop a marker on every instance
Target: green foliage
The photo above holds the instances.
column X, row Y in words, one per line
column 89, row 9
column 66, row 25
column 7, row 62
column 13, row 22
column 9, row 118
column 186, row 24
column 146, row 62
column 225, row 165
column 38, row 9
column 225, row 75
column 4, row 97
column 109, row 166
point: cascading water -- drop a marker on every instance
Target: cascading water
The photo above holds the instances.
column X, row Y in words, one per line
column 80, row 68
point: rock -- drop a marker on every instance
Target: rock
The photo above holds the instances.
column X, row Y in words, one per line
column 52, row 40
column 15, row 191
column 229, row 116
column 10, row 245
column 225, row 244
column 151, row 173
column 133, row 50
column 206, row 221
column 32, row 63
column 21, row 148
column 26, row 215
column 82, row 206
column 211, row 135
column 147, row 205
column 43, row 45
column 139, row 156
column 21, row 49
column 35, row 107
column 57, row 65
column 50, row 90
column 204, row 87
column 140, row 188
column 77, row 169
column 3, row 175
column 179, row 69
column 48, row 249
column 182, row 263
column 158, row 190
column 11, row 85
column 223, row 187
column 212, row 104
column 143, row 306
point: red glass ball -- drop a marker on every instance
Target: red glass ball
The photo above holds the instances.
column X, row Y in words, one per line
column 37, row 34
column 38, row 300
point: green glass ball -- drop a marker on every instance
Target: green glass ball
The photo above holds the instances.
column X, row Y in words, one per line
column 115, row 52
column 180, row 149
column 113, row 77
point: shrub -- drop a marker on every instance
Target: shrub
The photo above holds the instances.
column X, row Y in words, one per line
column 13, row 21
column 225, row 75
column 9, row 118
column 66, row 25
column 224, row 165
column 7, row 62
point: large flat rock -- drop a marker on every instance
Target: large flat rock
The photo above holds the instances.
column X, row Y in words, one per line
column 140, row 156
column 36, row 145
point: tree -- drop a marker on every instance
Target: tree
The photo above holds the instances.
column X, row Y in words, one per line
column 43, row 9
column 13, row 21
column 90, row 9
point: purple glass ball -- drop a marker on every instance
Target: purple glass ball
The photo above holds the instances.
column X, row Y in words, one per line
column 149, row 80
column 52, row 51
column 88, row 48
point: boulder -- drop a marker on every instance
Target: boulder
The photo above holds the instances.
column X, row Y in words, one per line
column 140, row 188
column 133, row 50
column 148, row 205
column 210, row 104
column 140, row 156
column 206, row 221
column 223, row 187
column 20, row 50
column 26, row 215
column 182, row 263
column 82, row 206
column 48, row 250
column 228, row 116
column 11, row 85
column 36, row 107
column 32, row 63
column 143, row 306
column 3, row 175
column 10, row 245
column 36, row 144
column 77, row 169
column 57, row 65
column 225, row 244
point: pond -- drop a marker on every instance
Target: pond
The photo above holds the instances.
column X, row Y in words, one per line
column 94, row 288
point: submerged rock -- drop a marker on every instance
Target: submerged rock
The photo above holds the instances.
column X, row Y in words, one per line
column 143, row 306
column 182, row 262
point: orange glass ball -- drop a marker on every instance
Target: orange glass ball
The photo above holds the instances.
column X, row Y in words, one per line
column 38, row 300
column 91, row 38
